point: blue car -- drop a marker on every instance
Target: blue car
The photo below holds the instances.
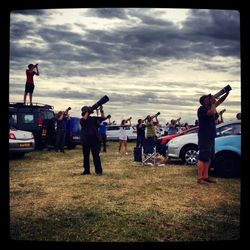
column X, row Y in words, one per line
column 73, row 132
column 227, row 156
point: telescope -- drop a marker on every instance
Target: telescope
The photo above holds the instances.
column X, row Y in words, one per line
column 155, row 115
column 222, row 111
column 67, row 110
column 91, row 109
column 128, row 119
column 222, row 91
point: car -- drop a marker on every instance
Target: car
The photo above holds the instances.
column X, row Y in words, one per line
column 113, row 132
column 185, row 147
column 73, row 132
column 167, row 138
column 227, row 158
column 34, row 118
column 20, row 142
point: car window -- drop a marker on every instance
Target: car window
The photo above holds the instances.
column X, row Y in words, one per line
column 27, row 118
column 230, row 129
column 14, row 119
column 49, row 114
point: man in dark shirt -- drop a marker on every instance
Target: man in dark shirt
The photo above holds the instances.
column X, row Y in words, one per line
column 61, row 123
column 140, row 128
column 102, row 132
column 90, row 140
column 206, row 134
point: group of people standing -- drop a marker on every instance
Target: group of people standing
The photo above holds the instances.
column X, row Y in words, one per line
column 94, row 127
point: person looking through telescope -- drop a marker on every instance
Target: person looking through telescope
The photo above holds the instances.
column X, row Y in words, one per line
column 151, row 122
column 61, row 123
column 172, row 130
column 123, row 136
column 207, row 116
column 90, row 139
column 29, row 85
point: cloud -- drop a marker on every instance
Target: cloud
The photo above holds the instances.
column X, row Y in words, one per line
column 140, row 58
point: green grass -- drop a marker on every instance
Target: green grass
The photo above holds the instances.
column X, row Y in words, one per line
column 51, row 201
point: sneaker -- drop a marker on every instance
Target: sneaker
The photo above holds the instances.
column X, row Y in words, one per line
column 210, row 180
column 126, row 153
column 85, row 173
column 98, row 174
column 201, row 181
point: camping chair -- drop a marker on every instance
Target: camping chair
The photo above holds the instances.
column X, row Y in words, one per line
column 149, row 152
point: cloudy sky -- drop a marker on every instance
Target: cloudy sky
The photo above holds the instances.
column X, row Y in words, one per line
column 144, row 59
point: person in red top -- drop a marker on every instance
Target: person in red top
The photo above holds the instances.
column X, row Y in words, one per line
column 29, row 86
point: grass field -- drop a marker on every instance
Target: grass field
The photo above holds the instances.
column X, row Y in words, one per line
column 51, row 201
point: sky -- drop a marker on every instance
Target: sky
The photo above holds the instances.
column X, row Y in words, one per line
column 146, row 60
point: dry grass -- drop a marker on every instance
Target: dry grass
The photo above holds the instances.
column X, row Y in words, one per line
column 51, row 201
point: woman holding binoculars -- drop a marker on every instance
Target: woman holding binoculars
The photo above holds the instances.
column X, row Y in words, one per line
column 123, row 136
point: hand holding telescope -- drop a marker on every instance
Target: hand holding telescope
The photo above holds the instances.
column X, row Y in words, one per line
column 91, row 109
column 67, row 110
column 222, row 91
column 129, row 119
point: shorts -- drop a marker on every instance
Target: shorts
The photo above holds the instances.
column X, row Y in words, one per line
column 123, row 137
column 29, row 88
column 206, row 150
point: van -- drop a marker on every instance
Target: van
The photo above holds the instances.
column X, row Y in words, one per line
column 34, row 118
column 40, row 119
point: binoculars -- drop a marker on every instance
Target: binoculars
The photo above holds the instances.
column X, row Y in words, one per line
column 91, row 109
column 222, row 91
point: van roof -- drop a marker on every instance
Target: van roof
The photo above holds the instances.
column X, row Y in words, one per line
column 34, row 105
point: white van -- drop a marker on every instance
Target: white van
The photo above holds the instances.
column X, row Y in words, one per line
column 113, row 132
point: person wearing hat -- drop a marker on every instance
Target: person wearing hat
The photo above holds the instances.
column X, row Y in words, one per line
column 207, row 116
column 29, row 86
column 90, row 139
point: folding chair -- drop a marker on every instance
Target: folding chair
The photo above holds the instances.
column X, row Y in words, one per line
column 149, row 152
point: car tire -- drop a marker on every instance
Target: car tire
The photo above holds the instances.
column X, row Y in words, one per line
column 188, row 154
column 227, row 165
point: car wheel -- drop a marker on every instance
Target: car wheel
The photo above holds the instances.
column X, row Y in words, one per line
column 188, row 155
column 227, row 165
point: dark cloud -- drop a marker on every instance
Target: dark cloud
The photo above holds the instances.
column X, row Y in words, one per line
column 108, row 13
column 204, row 34
column 30, row 12
column 126, row 51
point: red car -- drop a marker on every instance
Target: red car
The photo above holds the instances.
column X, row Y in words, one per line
column 165, row 139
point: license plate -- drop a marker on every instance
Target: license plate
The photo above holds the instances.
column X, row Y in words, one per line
column 24, row 145
column 76, row 137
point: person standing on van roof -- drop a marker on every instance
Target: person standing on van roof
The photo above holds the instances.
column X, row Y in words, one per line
column 29, row 86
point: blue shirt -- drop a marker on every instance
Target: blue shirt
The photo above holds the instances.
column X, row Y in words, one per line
column 103, row 128
column 207, row 126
